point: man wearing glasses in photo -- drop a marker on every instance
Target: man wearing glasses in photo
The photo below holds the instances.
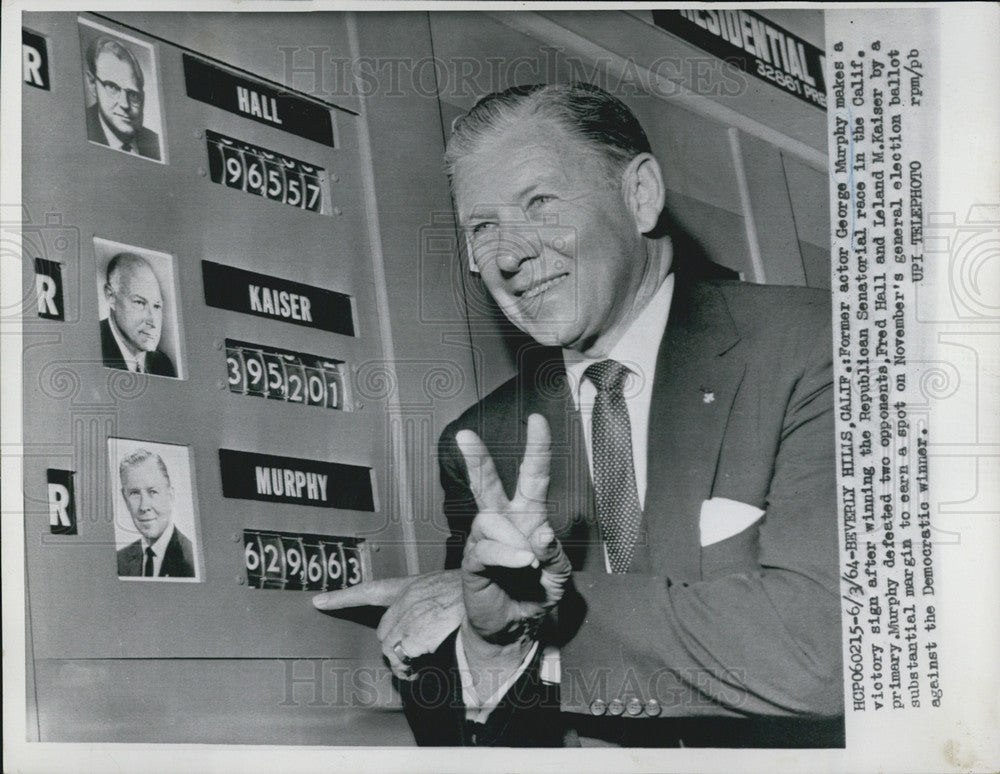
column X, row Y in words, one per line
column 115, row 86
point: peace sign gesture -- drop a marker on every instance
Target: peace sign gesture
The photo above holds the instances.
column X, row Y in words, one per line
column 513, row 570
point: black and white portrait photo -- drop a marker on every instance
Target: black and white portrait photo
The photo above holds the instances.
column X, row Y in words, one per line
column 122, row 94
column 138, row 309
column 155, row 519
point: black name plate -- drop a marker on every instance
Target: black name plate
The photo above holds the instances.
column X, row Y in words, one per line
column 62, row 502
column 49, row 289
column 257, row 101
column 35, row 60
column 274, row 479
column 239, row 290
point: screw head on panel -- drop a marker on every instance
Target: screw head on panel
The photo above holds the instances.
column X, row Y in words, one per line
column 202, row 172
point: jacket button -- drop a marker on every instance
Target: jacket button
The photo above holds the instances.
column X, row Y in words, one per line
column 633, row 706
column 615, row 707
column 597, row 707
column 652, row 708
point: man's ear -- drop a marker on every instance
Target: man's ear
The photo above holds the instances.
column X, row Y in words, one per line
column 91, row 87
column 109, row 295
column 645, row 194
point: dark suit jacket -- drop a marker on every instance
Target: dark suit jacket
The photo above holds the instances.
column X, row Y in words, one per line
column 157, row 361
column 147, row 142
column 745, row 631
column 178, row 559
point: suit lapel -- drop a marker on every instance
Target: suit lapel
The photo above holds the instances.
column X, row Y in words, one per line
column 133, row 560
column 697, row 376
column 170, row 555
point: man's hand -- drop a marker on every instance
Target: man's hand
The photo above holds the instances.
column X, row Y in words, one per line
column 513, row 570
column 422, row 611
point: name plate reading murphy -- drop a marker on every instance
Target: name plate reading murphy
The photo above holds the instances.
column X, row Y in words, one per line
column 239, row 290
column 257, row 101
column 274, row 479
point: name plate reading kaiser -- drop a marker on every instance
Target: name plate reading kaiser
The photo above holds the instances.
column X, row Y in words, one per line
column 239, row 290
column 258, row 101
column 274, row 479
column 295, row 562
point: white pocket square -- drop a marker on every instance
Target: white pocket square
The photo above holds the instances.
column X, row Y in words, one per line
column 722, row 518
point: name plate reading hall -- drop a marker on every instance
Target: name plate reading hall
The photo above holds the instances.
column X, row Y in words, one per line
column 257, row 101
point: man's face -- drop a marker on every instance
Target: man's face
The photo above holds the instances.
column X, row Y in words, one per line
column 149, row 497
column 137, row 306
column 123, row 115
column 550, row 232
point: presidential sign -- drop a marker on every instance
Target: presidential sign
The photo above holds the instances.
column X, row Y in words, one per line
column 755, row 45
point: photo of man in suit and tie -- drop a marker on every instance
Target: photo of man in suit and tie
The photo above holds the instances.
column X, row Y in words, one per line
column 130, row 335
column 116, row 99
column 162, row 550
column 643, row 526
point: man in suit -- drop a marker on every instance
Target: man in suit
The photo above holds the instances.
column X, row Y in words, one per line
column 115, row 87
column 161, row 551
column 648, row 508
column 130, row 335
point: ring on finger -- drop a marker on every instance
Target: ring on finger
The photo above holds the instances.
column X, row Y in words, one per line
column 401, row 654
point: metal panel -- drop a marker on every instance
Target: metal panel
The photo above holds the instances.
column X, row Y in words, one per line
column 772, row 212
column 275, row 701
column 176, row 209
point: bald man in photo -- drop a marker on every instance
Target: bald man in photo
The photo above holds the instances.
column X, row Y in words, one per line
column 130, row 336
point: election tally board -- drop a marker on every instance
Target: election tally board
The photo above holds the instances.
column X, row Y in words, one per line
column 283, row 493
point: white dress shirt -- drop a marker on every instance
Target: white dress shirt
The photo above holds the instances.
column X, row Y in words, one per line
column 637, row 349
column 159, row 549
column 132, row 362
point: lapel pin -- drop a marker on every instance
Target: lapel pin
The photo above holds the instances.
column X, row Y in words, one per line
column 707, row 396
